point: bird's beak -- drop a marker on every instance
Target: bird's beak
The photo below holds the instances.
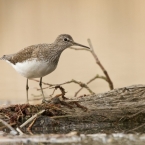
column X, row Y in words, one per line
column 77, row 44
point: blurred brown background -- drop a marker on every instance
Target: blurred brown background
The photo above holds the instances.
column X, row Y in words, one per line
column 115, row 27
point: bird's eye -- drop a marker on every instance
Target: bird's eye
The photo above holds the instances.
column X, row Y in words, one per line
column 65, row 39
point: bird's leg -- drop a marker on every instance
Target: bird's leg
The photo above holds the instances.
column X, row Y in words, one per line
column 40, row 84
column 27, row 88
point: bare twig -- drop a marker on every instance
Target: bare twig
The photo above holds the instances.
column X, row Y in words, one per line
column 83, row 85
column 42, row 82
column 101, row 66
column 20, row 131
column 13, row 131
column 43, row 88
column 30, row 126
column 96, row 77
column 30, row 119
column 53, row 85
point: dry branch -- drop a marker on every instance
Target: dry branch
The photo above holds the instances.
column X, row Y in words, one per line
column 83, row 85
column 98, row 62
column 91, row 80
column 101, row 66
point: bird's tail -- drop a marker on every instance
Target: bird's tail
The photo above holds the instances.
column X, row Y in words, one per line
column 3, row 57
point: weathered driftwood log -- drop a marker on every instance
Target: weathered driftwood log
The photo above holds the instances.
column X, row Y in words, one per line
column 115, row 106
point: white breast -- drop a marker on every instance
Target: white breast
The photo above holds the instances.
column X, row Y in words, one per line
column 33, row 68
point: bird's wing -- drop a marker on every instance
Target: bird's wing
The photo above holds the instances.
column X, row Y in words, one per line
column 27, row 53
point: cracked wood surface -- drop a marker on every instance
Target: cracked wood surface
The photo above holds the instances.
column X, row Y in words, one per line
column 115, row 106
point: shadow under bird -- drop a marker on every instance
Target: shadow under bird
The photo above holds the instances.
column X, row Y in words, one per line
column 36, row 61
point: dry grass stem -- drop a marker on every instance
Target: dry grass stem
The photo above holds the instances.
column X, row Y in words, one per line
column 20, row 132
column 32, row 118
column 13, row 131
column 30, row 126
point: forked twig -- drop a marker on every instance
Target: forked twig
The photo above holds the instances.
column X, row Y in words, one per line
column 101, row 66
column 30, row 126
column 98, row 62
column 91, row 80
column 83, row 85
column 106, row 78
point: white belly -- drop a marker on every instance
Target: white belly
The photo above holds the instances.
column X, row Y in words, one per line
column 33, row 68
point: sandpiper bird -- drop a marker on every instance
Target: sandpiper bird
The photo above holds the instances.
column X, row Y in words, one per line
column 36, row 61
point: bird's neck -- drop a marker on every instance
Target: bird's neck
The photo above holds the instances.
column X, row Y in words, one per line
column 55, row 54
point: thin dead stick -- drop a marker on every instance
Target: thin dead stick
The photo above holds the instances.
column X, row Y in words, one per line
column 20, row 131
column 13, row 131
column 43, row 88
column 101, row 66
column 51, row 85
column 91, row 80
column 83, row 85
column 30, row 126
column 30, row 119
column 42, row 82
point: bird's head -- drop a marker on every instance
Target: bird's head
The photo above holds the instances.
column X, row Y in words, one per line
column 65, row 41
